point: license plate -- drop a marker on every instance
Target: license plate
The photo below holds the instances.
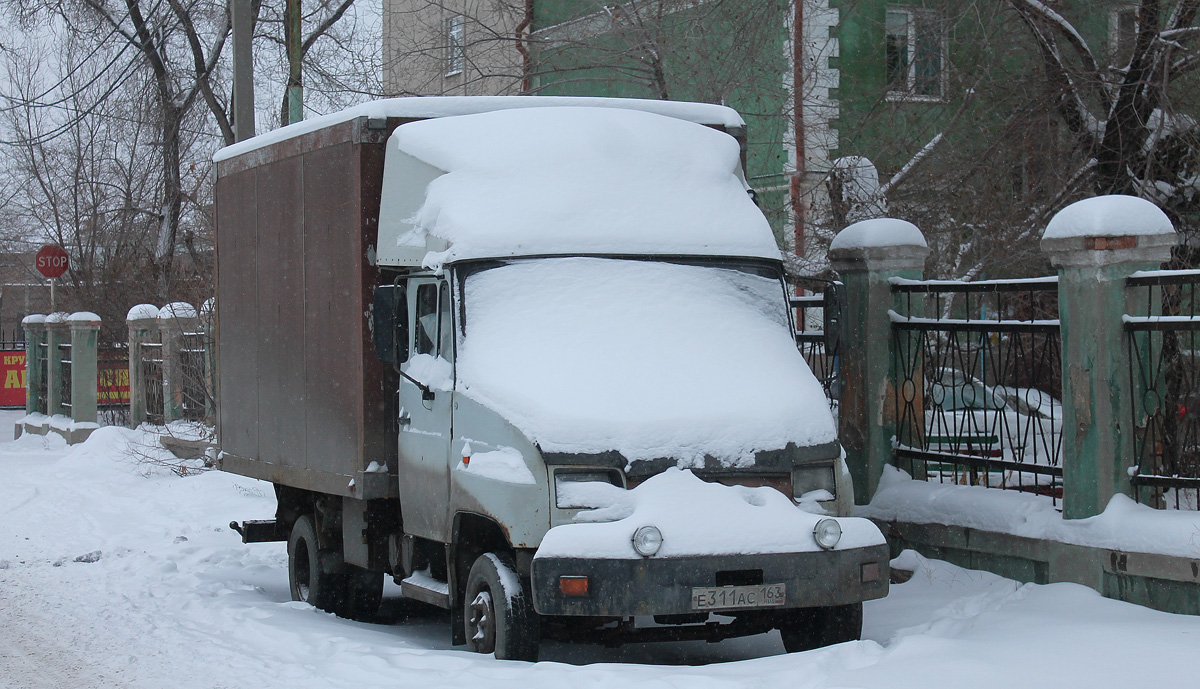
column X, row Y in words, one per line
column 726, row 597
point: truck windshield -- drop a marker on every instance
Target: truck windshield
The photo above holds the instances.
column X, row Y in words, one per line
column 648, row 358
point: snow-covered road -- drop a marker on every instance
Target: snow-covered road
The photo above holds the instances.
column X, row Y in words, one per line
column 174, row 599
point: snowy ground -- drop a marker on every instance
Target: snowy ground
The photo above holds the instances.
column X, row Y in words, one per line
column 176, row 600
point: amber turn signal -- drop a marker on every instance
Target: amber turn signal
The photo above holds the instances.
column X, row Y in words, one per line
column 573, row 586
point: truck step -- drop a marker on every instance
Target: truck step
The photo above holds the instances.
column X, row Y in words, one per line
column 420, row 586
column 259, row 531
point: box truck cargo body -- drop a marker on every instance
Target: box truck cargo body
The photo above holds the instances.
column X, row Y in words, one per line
column 532, row 358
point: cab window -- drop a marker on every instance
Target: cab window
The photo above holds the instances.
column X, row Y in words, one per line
column 445, row 326
column 426, row 317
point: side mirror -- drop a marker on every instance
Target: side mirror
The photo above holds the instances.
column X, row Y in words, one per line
column 834, row 300
column 390, row 324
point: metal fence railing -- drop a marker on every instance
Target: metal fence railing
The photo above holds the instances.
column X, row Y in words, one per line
column 43, row 362
column 195, row 388
column 152, row 378
column 64, row 378
column 1164, row 356
column 978, row 382
column 821, row 353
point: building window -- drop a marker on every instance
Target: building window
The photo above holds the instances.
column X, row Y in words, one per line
column 915, row 54
column 1122, row 28
column 454, row 45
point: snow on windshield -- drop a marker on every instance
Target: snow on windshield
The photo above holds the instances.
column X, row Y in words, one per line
column 579, row 180
column 649, row 359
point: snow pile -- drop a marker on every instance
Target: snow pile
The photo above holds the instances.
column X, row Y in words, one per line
column 177, row 309
column 1109, row 216
column 503, row 464
column 578, row 180
column 1124, row 524
column 432, row 371
column 859, row 183
column 83, row 317
column 448, row 106
column 649, row 359
column 695, row 518
column 878, row 232
column 141, row 311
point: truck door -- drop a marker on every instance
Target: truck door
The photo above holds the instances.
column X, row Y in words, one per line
column 425, row 424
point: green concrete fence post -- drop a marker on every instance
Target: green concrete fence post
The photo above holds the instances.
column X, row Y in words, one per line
column 1095, row 244
column 142, row 321
column 85, row 331
column 176, row 321
column 35, row 338
column 57, row 333
column 866, row 255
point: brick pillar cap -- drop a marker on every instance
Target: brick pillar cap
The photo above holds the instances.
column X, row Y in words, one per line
column 879, row 244
column 84, row 319
column 34, row 319
column 58, row 318
column 1109, row 230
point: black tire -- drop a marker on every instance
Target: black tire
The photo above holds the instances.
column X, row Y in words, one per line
column 362, row 592
column 499, row 621
column 809, row 628
column 313, row 574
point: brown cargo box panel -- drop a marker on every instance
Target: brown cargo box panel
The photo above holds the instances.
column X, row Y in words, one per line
column 303, row 399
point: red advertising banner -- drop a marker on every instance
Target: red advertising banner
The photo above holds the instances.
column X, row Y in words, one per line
column 112, row 384
column 112, row 387
column 12, row 369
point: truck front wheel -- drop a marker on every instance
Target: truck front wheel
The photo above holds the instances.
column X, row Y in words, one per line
column 311, row 577
column 499, row 615
column 809, row 628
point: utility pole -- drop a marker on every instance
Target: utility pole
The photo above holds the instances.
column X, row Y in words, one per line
column 243, row 69
column 295, row 87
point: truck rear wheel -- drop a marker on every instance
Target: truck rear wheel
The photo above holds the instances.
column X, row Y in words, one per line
column 498, row 612
column 312, row 576
column 809, row 628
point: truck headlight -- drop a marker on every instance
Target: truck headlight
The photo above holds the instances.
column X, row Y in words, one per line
column 808, row 478
column 647, row 540
column 827, row 532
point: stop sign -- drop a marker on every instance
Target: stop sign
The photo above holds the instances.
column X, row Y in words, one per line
column 51, row 261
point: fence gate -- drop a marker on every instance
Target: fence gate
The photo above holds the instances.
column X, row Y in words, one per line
column 977, row 382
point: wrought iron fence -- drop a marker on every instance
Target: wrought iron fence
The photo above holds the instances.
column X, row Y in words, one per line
column 822, row 356
column 197, row 395
column 43, row 358
column 1164, row 356
column 64, row 377
column 978, row 382
column 152, row 378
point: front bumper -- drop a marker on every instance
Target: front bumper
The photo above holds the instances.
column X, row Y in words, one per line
column 663, row 585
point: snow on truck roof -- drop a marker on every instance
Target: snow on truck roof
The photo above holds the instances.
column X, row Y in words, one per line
column 557, row 181
column 448, row 106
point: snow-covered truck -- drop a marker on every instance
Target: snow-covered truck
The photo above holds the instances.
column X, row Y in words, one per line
column 533, row 359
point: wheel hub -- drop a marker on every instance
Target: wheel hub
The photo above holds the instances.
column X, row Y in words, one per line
column 482, row 623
